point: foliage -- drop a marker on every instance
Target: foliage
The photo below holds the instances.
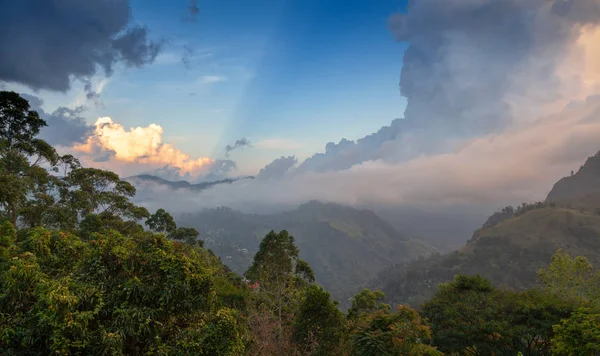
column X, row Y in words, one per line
column 318, row 324
column 113, row 294
column 394, row 334
column 469, row 316
column 571, row 278
column 366, row 302
column 578, row 335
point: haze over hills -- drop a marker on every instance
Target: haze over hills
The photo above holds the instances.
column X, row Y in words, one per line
column 345, row 246
column 513, row 244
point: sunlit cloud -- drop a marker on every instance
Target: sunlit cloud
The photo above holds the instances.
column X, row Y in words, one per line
column 140, row 145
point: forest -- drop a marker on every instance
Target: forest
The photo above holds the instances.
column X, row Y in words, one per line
column 85, row 271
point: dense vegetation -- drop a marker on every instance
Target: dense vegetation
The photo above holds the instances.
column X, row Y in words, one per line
column 345, row 246
column 85, row 271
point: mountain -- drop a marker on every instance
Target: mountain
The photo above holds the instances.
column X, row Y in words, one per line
column 581, row 189
column 150, row 179
column 445, row 228
column 512, row 244
column 346, row 247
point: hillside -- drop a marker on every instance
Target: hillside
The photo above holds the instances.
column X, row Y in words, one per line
column 514, row 243
column 509, row 254
column 583, row 183
column 346, row 247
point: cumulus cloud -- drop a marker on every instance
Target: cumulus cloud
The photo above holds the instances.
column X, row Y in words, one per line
column 241, row 143
column 500, row 105
column 137, row 148
column 48, row 43
column 66, row 127
column 478, row 67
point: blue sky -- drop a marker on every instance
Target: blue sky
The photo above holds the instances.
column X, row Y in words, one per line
column 291, row 75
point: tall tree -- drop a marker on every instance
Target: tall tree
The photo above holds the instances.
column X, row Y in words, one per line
column 318, row 324
column 22, row 155
column 280, row 275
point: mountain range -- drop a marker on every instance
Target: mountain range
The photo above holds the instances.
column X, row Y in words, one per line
column 512, row 244
column 346, row 247
column 406, row 255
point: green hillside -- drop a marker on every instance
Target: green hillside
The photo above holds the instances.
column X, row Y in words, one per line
column 512, row 244
column 509, row 254
column 345, row 246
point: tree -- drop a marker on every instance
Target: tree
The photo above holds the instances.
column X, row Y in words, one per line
column 571, row 278
column 113, row 294
column 393, row 334
column 366, row 302
column 578, row 335
column 318, row 324
column 162, row 221
column 21, row 154
column 469, row 316
column 280, row 281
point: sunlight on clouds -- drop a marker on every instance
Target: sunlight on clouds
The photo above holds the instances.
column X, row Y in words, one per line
column 142, row 145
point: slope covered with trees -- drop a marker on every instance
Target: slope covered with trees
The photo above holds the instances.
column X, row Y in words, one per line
column 83, row 271
column 512, row 244
column 345, row 246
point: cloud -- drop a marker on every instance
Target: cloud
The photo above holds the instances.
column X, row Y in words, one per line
column 139, row 148
column 45, row 44
column 501, row 104
column 278, row 168
column 211, row 79
column 478, row 67
column 241, row 143
column 188, row 52
column 65, row 127
column 193, row 11
column 517, row 165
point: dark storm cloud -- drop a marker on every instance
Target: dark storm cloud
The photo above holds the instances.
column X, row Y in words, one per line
column 45, row 44
column 278, row 168
column 65, row 126
column 241, row 143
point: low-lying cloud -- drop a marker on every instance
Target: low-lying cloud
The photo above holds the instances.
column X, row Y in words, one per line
column 520, row 164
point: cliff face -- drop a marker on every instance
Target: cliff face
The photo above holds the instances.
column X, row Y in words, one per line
column 584, row 183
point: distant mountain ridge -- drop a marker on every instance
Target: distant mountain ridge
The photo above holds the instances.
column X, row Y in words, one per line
column 182, row 184
column 345, row 246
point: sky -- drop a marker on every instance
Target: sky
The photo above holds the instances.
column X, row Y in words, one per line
column 424, row 102
column 287, row 75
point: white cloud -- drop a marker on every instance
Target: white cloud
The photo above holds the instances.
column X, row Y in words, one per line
column 517, row 165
